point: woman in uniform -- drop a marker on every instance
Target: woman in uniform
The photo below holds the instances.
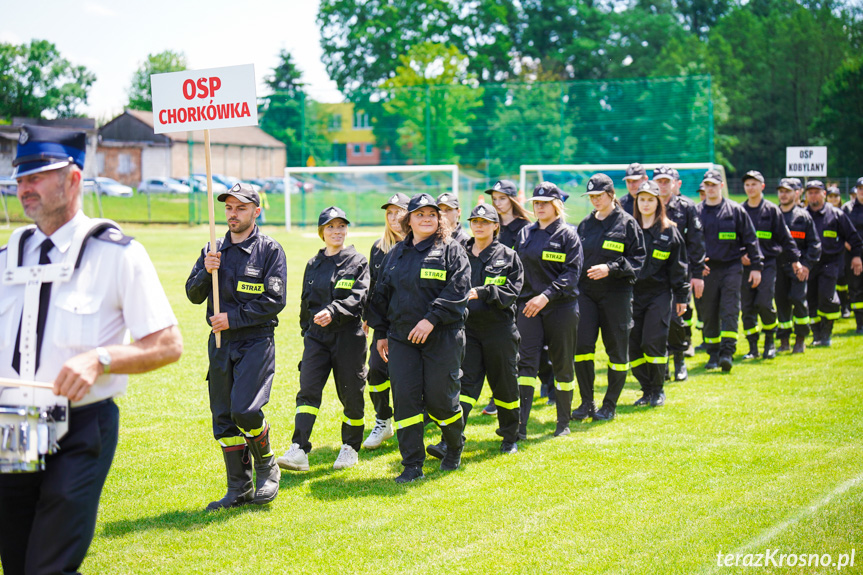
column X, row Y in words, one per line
column 613, row 256
column 420, row 302
column 335, row 287
column 662, row 288
column 379, row 379
column 834, row 196
column 550, row 252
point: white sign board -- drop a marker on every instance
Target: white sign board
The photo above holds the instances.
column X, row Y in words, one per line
column 806, row 161
column 204, row 99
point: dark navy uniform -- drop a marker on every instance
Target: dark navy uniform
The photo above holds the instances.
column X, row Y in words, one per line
column 682, row 211
column 491, row 348
column 338, row 284
column 378, row 377
column 835, row 229
column 728, row 231
column 663, row 281
column 792, row 309
column 508, row 235
column 460, row 236
column 854, row 210
column 552, row 260
column 606, row 303
column 427, row 280
column 773, row 239
column 252, row 277
column 627, row 202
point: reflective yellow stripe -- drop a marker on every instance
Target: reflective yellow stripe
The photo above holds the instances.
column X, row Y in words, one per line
column 841, row 288
column 699, row 325
column 785, row 324
column 448, row 420
column 352, row 422
column 495, row 281
column 834, row 315
column 801, row 320
column 584, row 357
column 661, row 255
column 467, row 399
column 770, row 326
column 687, row 322
column 553, row 257
column 307, row 409
column 727, row 235
column 636, row 362
column 749, row 331
column 427, row 274
column 528, row 381
column 231, row 441
column 345, row 284
column 613, row 246
column 763, row 235
column 857, row 305
column 382, row 387
column 253, row 432
column 656, row 360
column 618, row 366
column 246, row 287
column 829, row 234
column 401, row 424
column 815, row 319
column 712, row 339
column 564, row 385
column 506, row 404
column 729, row 334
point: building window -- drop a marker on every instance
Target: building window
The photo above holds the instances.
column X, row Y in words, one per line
column 335, row 123
column 100, row 163
column 5, row 147
column 369, row 148
column 361, row 121
column 124, row 164
column 357, row 148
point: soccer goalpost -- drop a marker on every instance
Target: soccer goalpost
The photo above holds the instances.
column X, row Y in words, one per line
column 360, row 170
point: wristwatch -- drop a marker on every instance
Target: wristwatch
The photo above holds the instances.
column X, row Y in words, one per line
column 104, row 359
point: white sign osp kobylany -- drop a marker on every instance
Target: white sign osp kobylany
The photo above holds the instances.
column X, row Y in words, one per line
column 204, row 99
column 806, row 161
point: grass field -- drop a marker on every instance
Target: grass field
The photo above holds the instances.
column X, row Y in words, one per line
column 769, row 456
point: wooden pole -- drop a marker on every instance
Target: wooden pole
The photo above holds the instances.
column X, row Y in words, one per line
column 6, row 382
column 211, row 207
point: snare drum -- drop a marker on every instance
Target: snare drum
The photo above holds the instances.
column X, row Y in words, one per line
column 30, row 430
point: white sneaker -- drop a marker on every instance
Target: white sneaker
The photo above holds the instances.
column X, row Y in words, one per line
column 382, row 431
column 294, row 459
column 347, row 458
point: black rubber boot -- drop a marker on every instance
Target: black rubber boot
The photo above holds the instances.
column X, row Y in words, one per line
column 454, row 439
column 239, row 469
column 680, row 373
column 525, row 394
column 784, row 344
column 826, row 332
column 564, row 407
column 753, row 347
column 267, row 473
column 799, row 344
column 769, row 346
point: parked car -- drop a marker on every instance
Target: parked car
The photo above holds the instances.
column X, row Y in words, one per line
column 8, row 186
column 162, row 186
column 200, row 181
column 107, row 187
column 277, row 186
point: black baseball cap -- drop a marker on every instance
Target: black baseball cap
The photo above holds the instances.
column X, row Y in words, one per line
column 798, row 185
column 649, row 187
column 635, row 171
column 332, row 213
column 398, row 199
column 448, row 199
column 546, row 192
column 599, row 184
column 833, row 191
column 712, row 176
column 41, row 149
column 753, row 175
column 507, row 187
column 817, row 184
column 859, row 182
column 663, row 172
column 676, row 174
column 483, row 212
column 786, row 183
column 422, row 201
column 243, row 192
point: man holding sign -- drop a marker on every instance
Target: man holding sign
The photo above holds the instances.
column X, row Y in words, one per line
column 48, row 517
column 252, row 281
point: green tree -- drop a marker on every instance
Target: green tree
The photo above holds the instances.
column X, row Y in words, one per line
column 840, row 122
column 434, row 95
column 140, row 94
column 36, row 81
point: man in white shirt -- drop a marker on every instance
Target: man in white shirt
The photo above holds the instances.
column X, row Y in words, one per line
column 47, row 518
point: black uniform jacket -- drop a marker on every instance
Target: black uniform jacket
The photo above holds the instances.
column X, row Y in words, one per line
column 429, row 280
column 665, row 266
column 835, row 229
column 682, row 211
column 616, row 241
column 552, row 261
column 338, row 284
column 252, row 278
column 459, row 235
column 771, row 231
column 854, row 210
column 508, row 235
column 627, row 202
column 803, row 232
column 727, row 232
column 497, row 275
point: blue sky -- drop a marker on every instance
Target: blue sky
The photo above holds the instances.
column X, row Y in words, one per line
column 112, row 37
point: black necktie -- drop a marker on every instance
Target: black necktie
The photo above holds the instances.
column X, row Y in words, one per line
column 44, row 298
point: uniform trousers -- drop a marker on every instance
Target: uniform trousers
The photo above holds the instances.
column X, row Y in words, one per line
column 855, row 291
column 680, row 330
column 48, row 518
column 651, row 316
column 758, row 302
column 427, row 378
column 344, row 353
column 720, row 303
column 379, row 381
column 792, row 308
column 821, row 295
column 555, row 326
